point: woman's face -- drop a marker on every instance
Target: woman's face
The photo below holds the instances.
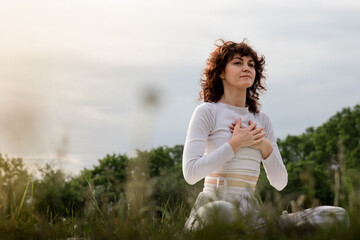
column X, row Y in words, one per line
column 239, row 72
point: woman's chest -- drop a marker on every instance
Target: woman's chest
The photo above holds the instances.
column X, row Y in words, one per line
column 221, row 132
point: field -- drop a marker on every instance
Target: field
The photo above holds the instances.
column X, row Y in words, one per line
column 146, row 197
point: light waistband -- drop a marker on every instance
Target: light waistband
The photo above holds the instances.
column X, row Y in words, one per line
column 225, row 182
column 239, row 176
column 234, row 180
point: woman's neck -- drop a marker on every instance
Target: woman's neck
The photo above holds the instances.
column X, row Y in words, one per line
column 235, row 98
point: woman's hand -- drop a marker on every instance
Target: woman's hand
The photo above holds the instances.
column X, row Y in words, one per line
column 265, row 147
column 245, row 137
column 262, row 143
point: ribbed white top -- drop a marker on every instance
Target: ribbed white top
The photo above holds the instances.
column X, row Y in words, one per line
column 206, row 150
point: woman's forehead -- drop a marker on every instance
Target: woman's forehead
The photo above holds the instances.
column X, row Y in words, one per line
column 239, row 56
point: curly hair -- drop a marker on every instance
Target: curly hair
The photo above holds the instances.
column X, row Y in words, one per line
column 211, row 83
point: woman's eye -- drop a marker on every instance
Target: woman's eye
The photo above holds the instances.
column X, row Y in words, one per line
column 237, row 63
column 251, row 65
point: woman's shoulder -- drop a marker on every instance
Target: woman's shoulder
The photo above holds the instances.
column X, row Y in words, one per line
column 263, row 117
column 262, row 114
column 206, row 108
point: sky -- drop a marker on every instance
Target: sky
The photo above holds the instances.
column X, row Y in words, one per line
column 80, row 79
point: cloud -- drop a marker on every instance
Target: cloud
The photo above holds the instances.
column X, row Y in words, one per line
column 79, row 68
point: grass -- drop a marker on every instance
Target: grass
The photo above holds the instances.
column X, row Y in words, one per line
column 124, row 223
column 24, row 216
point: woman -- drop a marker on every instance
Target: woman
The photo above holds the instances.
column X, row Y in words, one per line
column 228, row 137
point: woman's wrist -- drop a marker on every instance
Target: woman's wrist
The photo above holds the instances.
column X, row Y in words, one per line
column 234, row 145
column 266, row 149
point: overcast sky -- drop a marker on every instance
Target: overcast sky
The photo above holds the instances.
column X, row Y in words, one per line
column 82, row 79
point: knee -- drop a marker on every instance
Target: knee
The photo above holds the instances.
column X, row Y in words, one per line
column 331, row 215
column 217, row 211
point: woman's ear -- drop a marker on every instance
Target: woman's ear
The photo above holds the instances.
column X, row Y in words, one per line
column 221, row 75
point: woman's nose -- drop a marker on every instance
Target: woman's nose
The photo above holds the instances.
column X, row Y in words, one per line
column 246, row 68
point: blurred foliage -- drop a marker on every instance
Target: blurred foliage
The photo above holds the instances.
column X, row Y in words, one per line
column 13, row 181
column 98, row 203
column 313, row 157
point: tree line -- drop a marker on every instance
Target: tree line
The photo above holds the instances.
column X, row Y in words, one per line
column 323, row 168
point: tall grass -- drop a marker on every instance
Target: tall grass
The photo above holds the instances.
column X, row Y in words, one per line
column 140, row 217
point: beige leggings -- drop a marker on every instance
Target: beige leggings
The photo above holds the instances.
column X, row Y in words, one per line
column 208, row 208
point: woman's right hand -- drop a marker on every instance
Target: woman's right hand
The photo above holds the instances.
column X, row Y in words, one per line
column 245, row 137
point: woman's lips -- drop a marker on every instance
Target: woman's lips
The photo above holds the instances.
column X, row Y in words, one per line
column 245, row 76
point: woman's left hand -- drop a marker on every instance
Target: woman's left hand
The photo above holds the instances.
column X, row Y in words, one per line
column 264, row 146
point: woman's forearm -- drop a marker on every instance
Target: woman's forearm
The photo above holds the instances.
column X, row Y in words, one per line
column 266, row 148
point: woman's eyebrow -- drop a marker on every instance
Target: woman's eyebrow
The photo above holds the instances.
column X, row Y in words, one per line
column 240, row 58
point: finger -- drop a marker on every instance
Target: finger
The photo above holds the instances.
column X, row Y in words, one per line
column 252, row 126
column 259, row 140
column 257, row 130
column 238, row 123
column 258, row 136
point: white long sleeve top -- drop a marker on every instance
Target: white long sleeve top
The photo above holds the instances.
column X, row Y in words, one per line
column 207, row 151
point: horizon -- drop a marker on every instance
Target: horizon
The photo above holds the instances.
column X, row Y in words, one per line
column 56, row 163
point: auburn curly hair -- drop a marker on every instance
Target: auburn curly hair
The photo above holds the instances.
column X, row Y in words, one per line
column 211, row 83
